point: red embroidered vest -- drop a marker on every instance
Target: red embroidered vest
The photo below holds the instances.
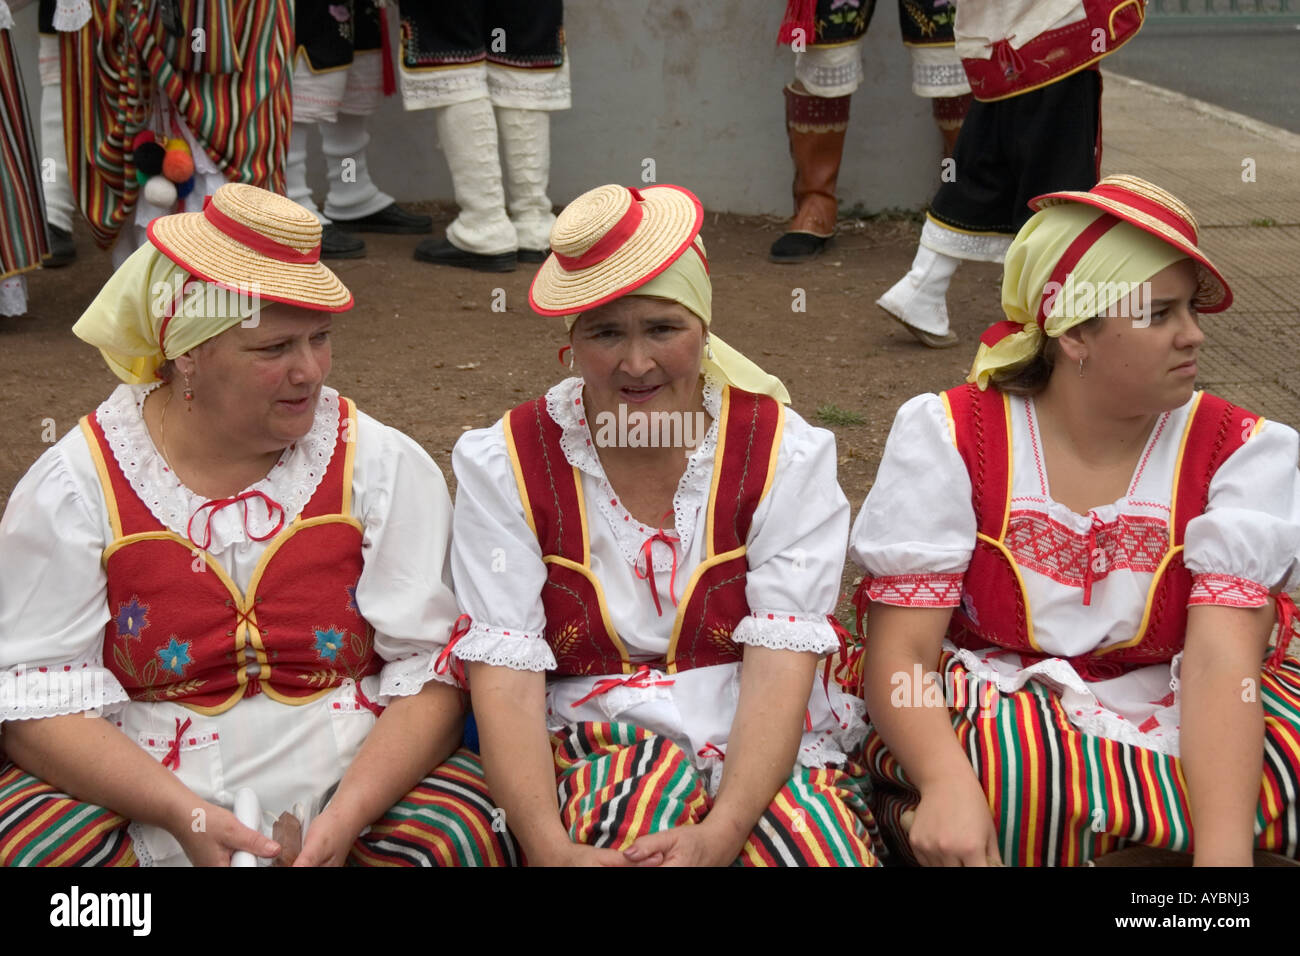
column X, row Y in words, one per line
column 181, row 630
column 1107, row 25
column 578, row 626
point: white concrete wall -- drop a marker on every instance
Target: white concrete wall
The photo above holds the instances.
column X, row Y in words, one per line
column 693, row 84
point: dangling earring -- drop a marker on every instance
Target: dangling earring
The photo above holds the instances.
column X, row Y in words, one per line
column 708, row 349
column 570, row 360
column 1081, row 368
column 188, row 395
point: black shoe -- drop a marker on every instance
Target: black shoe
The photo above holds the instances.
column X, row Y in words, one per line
column 392, row 218
column 62, row 249
column 797, row 247
column 337, row 244
column 442, row 252
column 532, row 255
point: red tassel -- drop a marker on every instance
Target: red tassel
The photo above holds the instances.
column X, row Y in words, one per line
column 386, row 51
column 799, row 14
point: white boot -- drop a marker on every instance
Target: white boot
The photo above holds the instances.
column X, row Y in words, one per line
column 468, row 134
column 918, row 300
column 526, row 151
column 352, row 193
column 295, row 172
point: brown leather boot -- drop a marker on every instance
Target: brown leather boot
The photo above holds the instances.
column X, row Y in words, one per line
column 816, row 128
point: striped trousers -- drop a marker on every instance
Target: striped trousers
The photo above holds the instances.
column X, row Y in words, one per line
column 447, row 820
column 1061, row 797
column 618, row 782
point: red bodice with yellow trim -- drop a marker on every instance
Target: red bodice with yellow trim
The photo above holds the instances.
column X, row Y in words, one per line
column 180, row 629
column 995, row 609
column 578, row 626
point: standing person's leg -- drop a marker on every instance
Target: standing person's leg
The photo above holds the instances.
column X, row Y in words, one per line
column 59, row 205
column 816, row 118
column 444, row 68
column 23, row 240
column 527, row 80
column 937, row 72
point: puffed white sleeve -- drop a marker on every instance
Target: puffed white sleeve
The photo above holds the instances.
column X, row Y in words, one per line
column 1246, row 545
column 796, row 546
column 915, row 533
column 53, row 590
column 401, row 499
column 496, row 560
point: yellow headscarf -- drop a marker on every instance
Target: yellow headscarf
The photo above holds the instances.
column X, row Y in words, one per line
column 686, row 282
column 1110, row 266
column 147, row 313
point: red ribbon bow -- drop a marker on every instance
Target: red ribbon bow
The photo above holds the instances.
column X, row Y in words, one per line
column 445, row 663
column 1009, row 59
column 1097, row 524
column 216, row 505
column 639, row 680
column 173, row 758
column 647, row 552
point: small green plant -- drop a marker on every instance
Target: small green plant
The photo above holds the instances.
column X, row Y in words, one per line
column 834, row 415
column 1263, row 222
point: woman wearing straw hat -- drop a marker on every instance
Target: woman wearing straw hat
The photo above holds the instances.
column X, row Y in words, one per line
column 1092, row 555
column 617, row 574
column 238, row 575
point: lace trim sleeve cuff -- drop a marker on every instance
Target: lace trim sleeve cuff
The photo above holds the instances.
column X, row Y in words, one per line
column 27, row 693
column 501, row 647
column 783, row 631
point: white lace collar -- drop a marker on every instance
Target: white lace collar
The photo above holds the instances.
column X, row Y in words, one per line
column 564, row 404
column 291, row 482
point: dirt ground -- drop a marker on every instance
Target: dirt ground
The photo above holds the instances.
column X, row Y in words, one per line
column 424, row 352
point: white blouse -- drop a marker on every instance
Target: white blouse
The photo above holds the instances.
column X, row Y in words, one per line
column 795, row 554
column 54, row 607
column 916, row 532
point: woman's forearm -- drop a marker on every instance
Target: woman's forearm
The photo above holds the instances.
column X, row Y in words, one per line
column 510, row 709
column 1222, row 728
column 413, row 736
column 90, row 759
column 764, row 740
column 912, row 720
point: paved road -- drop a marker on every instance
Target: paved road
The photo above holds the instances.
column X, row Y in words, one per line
column 1248, row 68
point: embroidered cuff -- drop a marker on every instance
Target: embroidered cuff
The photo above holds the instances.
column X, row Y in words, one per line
column 500, row 647
column 915, row 590
column 1226, row 590
column 782, row 631
column 408, row 675
column 33, row 692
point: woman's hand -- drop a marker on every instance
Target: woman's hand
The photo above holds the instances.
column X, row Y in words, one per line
column 218, row 835
column 690, row 845
column 329, row 840
column 952, row 826
column 579, row 854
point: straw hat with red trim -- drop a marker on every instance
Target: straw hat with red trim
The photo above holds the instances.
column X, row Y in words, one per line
column 249, row 237
column 1152, row 210
column 610, row 241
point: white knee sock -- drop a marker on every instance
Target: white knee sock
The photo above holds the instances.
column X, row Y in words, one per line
column 295, row 171
column 59, row 205
column 468, row 134
column 526, row 151
column 352, row 193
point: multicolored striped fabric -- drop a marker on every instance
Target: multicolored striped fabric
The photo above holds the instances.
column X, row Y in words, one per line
column 233, row 95
column 1062, row 797
column 447, row 820
column 22, row 227
column 618, row 782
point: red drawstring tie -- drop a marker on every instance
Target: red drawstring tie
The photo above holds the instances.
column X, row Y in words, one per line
column 647, row 552
column 366, row 702
column 639, row 680
column 173, row 758
column 1009, row 59
column 711, row 750
column 1088, row 572
column 1286, row 628
column 446, row 663
column 272, row 506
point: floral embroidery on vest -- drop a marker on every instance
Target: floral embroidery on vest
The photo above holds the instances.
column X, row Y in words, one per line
column 175, row 657
column 132, row 617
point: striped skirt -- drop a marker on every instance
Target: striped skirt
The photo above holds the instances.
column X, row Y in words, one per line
column 618, row 782
column 22, row 226
column 447, row 820
column 1061, row 797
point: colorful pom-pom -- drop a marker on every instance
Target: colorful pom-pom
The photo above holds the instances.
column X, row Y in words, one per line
column 185, row 188
column 142, row 137
column 177, row 166
column 149, row 157
column 141, row 176
column 177, row 143
column 160, row 191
